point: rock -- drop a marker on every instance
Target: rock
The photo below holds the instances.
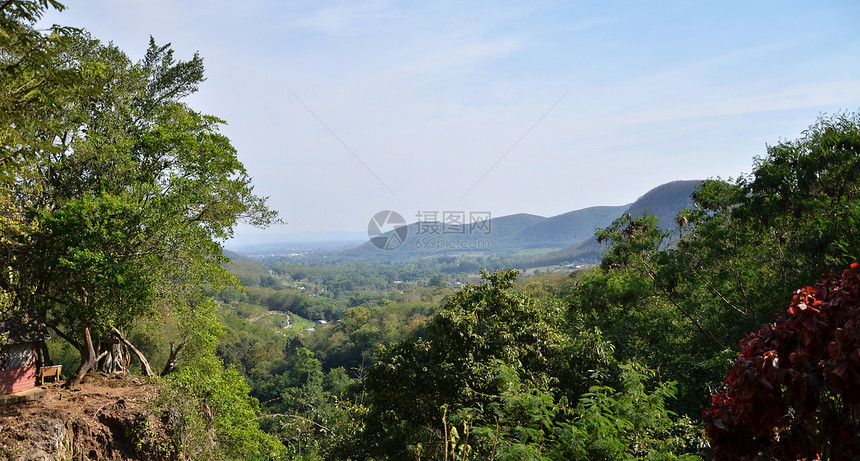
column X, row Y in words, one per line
column 33, row 454
column 40, row 439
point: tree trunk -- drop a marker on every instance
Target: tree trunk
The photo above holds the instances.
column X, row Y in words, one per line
column 170, row 366
column 116, row 353
column 102, row 353
column 113, row 362
column 144, row 364
column 88, row 359
column 126, row 359
column 43, row 357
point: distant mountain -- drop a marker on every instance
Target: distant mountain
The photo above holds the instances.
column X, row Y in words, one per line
column 508, row 227
column 568, row 237
column 504, row 235
column 564, row 229
column 664, row 202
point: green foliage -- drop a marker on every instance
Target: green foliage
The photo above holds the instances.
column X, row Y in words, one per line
column 628, row 423
column 809, row 189
column 87, row 249
column 494, row 378
column 37, row 80
column 126, row 192
column 251, row 274
column 682, row 303
column 289, row 301
column 246, row 345
column 218, row 417
column 436, row 281
column 297, row 401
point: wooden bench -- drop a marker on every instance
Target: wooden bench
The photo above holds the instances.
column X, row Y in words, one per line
column 48, row 371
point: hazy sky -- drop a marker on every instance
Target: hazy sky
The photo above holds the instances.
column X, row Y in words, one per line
column 342, row 109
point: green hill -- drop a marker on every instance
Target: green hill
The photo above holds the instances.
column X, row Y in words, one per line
column 568, row 237
column 565, row 229
column 664, row 202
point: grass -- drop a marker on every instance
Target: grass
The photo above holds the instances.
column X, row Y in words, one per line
column 281, row 323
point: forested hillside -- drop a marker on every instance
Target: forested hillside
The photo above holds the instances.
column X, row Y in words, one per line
column 729, row 330
column 662, row 202
column 525, row 240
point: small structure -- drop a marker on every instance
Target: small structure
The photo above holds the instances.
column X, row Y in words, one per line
column 18, row 359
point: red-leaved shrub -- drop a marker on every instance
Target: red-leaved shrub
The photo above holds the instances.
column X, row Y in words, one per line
column 794, row 391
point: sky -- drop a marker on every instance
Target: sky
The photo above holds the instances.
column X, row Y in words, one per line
column 340, row 109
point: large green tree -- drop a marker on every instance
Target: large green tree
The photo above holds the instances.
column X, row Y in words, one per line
column 114, row 194
column 36, row 82
column 129, row 142
column 92, row 280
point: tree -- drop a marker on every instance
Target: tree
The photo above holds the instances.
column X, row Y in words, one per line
column 94, row 281
column 131, row 141
column 637, row 300
column 214, row 406
column 37, row 79
column 299, row 406
column 630, row 422
column 735, row 256
column 114, row 195
column 485, row 339
column 794, row 391
column 810, row 187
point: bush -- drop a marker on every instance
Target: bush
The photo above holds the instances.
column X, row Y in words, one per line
column 219, row 420
column 794, row 390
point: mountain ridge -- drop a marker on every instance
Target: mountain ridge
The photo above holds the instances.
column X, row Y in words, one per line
column 566, row 235
column 664, row 202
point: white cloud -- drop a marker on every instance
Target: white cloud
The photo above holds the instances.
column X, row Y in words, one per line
column 342, row 18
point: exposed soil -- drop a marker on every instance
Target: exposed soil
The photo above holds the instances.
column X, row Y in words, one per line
column 110, row 417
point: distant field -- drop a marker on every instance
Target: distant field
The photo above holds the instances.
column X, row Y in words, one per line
column 527, row 252
column 287, row 324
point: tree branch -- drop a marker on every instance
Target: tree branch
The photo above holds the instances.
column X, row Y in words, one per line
column 6, row 4
column 68, row 338
column 170, row 366
column 143, row 362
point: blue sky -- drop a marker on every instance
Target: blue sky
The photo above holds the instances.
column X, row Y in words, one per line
column 342, row 109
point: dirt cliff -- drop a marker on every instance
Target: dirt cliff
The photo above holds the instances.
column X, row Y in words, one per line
column 111, row 417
